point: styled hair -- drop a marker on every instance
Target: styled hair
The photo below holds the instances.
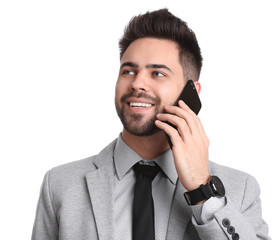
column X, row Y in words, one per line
column 162, row 24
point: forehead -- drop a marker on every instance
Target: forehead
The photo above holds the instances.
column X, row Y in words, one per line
column 152, row 50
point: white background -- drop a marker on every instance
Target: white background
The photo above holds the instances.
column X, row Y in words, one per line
column 58, row 67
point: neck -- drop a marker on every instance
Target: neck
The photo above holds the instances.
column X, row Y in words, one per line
column 147, row 147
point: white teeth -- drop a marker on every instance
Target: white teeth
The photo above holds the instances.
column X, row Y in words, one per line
column 132, row 104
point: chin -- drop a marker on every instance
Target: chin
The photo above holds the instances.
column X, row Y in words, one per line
column 145, row 131
column 138, row 124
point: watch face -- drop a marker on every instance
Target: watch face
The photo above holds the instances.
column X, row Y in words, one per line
column 217, row 186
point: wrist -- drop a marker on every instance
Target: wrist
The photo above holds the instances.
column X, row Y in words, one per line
column 200, row 203
column 197, row 183
column 213, row 188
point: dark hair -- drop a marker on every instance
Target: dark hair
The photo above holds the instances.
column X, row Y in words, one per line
column 164, row 25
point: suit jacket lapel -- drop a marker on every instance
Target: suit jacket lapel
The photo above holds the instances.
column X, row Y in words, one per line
column 100, row 184
column 180, row 214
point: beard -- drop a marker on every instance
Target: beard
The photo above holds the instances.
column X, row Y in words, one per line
column 134, row 123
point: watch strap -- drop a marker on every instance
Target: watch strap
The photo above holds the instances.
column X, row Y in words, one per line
column 213, row 188
column 202, row 193
column 194, row 196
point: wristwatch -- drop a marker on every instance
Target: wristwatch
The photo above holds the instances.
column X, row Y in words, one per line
column 214, row 188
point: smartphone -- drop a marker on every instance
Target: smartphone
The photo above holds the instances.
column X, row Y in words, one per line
column 191, row 98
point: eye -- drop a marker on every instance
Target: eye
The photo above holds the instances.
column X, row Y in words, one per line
column 158, row 74
column 128, row 72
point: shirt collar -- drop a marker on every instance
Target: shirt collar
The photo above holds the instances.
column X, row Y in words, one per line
column 125, row 158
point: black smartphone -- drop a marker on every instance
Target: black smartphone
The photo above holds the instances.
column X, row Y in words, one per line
column 191, row 98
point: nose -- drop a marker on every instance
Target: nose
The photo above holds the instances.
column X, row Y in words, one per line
column 139, row 83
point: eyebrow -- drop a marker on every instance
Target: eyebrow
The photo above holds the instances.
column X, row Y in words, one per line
column 134, row 65
column 129, row 64
column 158, row 66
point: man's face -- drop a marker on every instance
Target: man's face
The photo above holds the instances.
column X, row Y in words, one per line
column 150, row 78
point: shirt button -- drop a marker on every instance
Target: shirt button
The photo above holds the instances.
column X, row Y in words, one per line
column 226, row 222
column 231, row 230
column 235, row 236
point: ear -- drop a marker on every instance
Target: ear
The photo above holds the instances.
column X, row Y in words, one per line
column 198, row 86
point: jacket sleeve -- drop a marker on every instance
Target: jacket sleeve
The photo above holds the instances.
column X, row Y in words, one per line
column 232, row 222
column 46, row 224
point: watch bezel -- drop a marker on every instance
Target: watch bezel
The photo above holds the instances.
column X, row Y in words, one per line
column 217, row 186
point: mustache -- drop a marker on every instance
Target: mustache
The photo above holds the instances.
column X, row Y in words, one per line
column 154, row 100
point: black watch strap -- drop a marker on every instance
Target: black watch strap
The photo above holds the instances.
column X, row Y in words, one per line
column 213, row 188
column 202, row 193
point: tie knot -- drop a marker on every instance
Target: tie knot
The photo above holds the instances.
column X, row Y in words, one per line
column 149, row 171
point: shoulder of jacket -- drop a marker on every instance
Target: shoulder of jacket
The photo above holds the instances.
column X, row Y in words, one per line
column 83, row 166
column 239, row 185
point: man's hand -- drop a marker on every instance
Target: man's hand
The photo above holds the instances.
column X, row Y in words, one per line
column 190, row 144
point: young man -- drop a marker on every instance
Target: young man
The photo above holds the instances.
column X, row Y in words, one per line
column 113, row 195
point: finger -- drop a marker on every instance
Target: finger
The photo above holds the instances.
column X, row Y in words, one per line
column 184, row 114
column 180, row 123
column 197, row 119
column 184, row 106
column 170, row 131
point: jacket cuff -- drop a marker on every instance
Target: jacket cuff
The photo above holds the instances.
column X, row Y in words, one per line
column 204, row 213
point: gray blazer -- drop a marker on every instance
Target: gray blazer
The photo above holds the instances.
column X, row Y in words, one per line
column 76, row 203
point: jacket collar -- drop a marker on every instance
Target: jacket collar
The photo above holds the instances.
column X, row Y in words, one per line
column 125, row 158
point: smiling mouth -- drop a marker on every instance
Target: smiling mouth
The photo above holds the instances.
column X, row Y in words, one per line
column 140, row 105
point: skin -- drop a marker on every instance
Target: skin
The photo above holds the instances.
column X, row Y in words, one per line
column 160, row 75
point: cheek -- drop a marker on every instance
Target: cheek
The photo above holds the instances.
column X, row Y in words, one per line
column 119, row 90
column 170, row 94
